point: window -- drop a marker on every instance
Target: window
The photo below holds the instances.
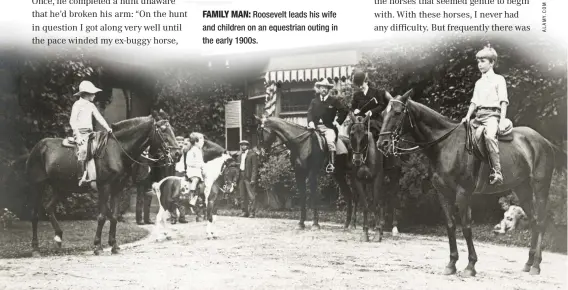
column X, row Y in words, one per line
column 296, row 101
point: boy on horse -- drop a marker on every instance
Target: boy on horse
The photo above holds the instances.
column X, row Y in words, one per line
column 81, row 122
column 194, row 161
column 323, row 111
column 489, row 102
column 368, row 100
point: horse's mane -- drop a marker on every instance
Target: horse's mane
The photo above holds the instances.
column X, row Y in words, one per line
column 426, row 112
column 129, row 123
column 276, row 120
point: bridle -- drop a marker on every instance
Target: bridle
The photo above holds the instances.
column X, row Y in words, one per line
column 361, row 156
column 260, row 134
column 164, row 148
column 396, row 135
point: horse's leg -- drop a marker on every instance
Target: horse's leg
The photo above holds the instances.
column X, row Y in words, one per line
column 361, row 190
column 394, row 198
column 101, row 218
column 525, row 194
column 341, row 180
column 314, row 198
column 114, row 206
column 36, row 194
column 541, row 189
column 464, row 204
column 50, row 209
column 355, row 197
column 301, row 185
column 447, row 202
column 379, row 207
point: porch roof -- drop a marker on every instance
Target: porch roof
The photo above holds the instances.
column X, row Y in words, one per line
column 312, row 66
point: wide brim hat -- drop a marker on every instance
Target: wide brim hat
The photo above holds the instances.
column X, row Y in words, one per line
column 324, row 83
column 87, row 87
column 244, row 142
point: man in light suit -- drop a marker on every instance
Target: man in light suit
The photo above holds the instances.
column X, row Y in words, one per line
column 248, row 161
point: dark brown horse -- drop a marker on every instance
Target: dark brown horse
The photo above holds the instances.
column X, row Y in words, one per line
column 307, row 158
column 528, row 162
column 367, row 174
column 52, row 164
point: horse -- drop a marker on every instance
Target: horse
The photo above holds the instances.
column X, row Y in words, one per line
column 528, row 161
column 221, row 176
column 307, row 158
column 52, row 163
column 368, row 174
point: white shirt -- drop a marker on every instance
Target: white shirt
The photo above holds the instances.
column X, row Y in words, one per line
column 82, row 113
column 323, row 98
column 490, row 90
column 243, row 158
column 365, row 90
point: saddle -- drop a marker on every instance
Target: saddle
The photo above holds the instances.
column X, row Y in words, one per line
column 475, row 144
column 95, row 142
column 341, row 144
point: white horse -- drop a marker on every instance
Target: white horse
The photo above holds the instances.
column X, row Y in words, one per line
column 212, row 179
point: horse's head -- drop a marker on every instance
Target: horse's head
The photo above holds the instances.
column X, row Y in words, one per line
column 394, row 122
column 359, row 138
column 266, row 135
column 165, row 142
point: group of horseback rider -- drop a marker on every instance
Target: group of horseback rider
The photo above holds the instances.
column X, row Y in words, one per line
column 326, row 111
column 489, row 102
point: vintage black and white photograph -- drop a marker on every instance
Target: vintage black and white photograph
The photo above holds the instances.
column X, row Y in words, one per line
column 405, row 163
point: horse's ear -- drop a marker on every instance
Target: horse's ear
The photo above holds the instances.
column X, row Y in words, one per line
column 407, row 95
column 154, row 114
column 388, row 96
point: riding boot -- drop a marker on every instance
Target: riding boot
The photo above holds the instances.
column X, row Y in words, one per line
column 83, row 179
column 139, row 208
column 493, row 150
column 331, row 166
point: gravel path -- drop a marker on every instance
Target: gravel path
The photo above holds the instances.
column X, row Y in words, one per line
column 270, row 254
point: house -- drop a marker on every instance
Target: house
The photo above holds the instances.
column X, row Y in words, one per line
column 297, row 72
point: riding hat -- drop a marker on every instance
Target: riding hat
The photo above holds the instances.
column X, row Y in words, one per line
column 359, row 77
column 87, row 87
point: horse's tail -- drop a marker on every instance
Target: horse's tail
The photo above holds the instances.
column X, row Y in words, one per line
column 560, row 158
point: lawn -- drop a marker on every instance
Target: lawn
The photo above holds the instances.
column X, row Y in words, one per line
column 554, row 239
column 78, row 236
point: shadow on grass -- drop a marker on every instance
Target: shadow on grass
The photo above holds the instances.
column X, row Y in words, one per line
column 78, row 236
column 555, row 239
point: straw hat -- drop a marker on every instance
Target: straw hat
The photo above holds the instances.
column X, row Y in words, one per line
column 87, row 87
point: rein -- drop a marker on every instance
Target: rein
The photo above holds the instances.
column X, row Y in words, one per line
column 397, row 133
column 166, row 148
column 306, row 134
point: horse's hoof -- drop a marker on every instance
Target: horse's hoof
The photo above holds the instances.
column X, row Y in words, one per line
column 36, row 254
column 115, row 250
column 97, row 252
column 526, row 268
column 365, row 238
column 468, row 273
column 394, row 231
column 450, row 270
column 316, row 227
column 534, row 271
column 300, row 227
column 169, row 238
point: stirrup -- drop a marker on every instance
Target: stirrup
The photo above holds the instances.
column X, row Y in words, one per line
column 329, row 168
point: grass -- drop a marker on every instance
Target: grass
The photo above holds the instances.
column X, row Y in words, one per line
column 554, row 239
column 78, row 236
